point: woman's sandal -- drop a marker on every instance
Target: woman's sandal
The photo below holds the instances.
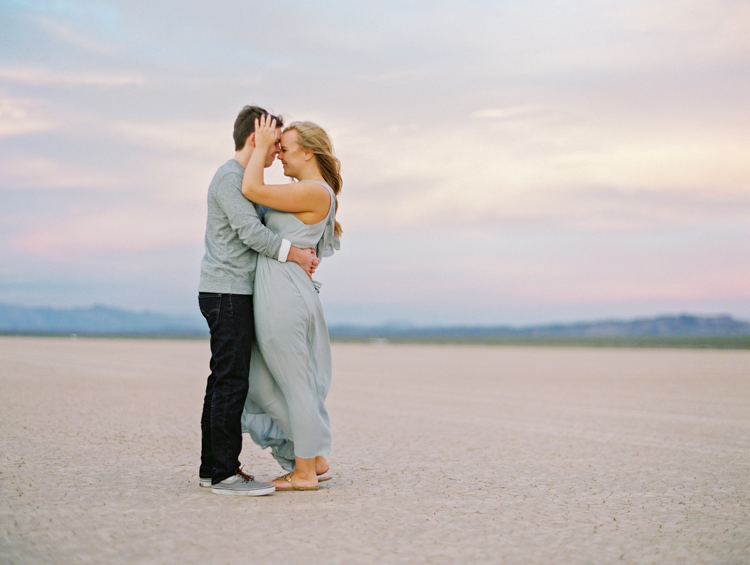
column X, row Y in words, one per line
column 288, row 478
column 321, row 479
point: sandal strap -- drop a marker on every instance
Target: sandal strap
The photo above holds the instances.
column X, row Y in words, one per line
column 287, row 477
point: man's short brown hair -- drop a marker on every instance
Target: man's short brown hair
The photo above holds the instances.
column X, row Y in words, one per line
column 244, row 125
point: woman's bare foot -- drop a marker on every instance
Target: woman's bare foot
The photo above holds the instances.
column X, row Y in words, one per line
column 303, row 477
column 321, row 465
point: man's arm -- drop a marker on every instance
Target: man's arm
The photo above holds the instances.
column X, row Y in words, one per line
column 244, row 220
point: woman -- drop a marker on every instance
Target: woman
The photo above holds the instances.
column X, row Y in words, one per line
column 290, row 370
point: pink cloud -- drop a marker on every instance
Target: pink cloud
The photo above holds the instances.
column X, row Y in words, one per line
column 123, row 229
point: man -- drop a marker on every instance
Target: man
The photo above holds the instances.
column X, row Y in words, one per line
column 234, row 237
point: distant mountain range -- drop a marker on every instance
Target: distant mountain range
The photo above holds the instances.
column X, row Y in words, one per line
column 103, row 320
column 662, row 326
column 100, row 320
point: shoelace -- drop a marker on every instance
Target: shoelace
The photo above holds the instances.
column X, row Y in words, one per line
column 244, row 475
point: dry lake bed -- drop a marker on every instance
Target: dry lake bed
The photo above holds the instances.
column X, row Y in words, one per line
column 442, row 454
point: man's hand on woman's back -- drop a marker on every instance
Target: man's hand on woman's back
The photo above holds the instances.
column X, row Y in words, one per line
column 305, row 258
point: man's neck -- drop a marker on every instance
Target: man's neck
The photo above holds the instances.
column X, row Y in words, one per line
column 243, row 157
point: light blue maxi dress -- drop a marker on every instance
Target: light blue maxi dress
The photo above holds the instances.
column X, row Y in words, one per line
column 290, row 367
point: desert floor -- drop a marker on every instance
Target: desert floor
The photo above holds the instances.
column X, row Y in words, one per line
column 442, row 454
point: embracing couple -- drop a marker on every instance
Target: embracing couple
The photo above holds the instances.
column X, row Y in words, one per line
column 270, row 350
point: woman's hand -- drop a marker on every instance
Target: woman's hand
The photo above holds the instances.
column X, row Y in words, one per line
column 265, row 132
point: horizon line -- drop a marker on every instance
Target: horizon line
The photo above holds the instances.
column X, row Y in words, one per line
column 414, row 325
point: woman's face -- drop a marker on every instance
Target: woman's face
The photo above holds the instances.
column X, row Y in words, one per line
column 291, row 155
column 273, row 150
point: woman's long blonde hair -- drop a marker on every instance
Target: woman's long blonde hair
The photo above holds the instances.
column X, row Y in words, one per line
column 312, row 137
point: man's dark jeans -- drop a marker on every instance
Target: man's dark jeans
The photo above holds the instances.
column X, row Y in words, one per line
column 230, row 319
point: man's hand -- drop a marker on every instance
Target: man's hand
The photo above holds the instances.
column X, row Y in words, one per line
column 305, row 258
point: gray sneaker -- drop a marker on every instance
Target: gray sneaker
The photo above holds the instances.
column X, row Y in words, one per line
column 204, row 481
column 242, row 484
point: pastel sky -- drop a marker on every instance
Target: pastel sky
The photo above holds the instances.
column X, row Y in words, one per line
column 503, row 162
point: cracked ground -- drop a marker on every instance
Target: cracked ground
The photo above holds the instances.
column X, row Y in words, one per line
column 441, row 454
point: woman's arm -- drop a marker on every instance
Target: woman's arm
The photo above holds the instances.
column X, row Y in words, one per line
column 295, row 197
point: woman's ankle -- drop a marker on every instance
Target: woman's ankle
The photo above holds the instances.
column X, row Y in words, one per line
column 305, row 469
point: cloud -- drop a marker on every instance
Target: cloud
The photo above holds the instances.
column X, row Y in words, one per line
column 490, row 274
column 501, row 113
column 607, row 210
column 525, row 167
column 128, row 227
column 210, row 139
column 19, row 116
column 37, row 171
column 688, row 31
column 64, row 33
column 493, row 153
column 43, row 77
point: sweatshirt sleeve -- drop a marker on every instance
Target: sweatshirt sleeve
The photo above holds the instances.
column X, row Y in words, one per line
column 244, row 218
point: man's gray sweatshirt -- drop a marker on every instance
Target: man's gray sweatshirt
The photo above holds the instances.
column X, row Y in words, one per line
column 234, row 236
